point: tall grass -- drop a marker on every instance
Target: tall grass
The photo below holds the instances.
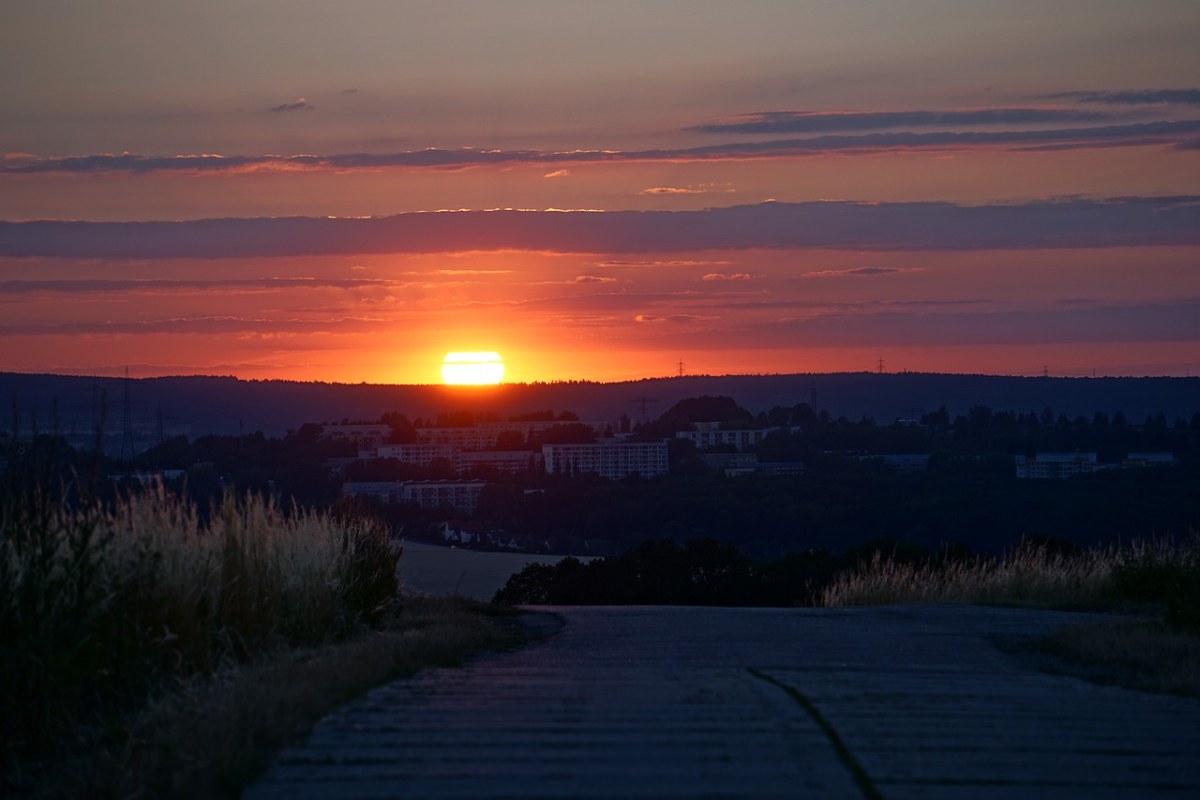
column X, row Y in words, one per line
column 1034, row 576
column 103, row 607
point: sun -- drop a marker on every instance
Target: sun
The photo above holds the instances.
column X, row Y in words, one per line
column 472, row 369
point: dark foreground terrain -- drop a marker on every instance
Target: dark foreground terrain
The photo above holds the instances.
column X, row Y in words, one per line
column 894, row 702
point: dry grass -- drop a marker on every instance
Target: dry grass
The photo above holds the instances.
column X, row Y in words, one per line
column 214, row 735
column 245, row 622
column 1158, row 655
column 1135, row 653
column 1027, row 576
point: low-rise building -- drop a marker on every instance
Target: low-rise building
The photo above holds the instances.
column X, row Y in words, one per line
column 1149, row 460
column 419, row 455
column 483, row 435
column 368, row 437
column 1046, row 466
column 505, row 462
column 462, row 496
column 709, row 435
column 384, row 491
column 904, row 463
column 609, row 458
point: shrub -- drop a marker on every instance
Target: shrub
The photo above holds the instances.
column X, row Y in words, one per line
column 99, row 607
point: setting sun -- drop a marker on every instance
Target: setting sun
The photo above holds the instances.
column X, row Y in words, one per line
column 472, row 369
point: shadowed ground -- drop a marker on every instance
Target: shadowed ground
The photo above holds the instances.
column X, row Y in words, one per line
column 899, row 701
column 440, row 570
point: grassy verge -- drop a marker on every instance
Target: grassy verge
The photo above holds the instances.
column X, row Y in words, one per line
column 150, row 650
column 212, row 736
column 1156, row 650
column 1145, row 654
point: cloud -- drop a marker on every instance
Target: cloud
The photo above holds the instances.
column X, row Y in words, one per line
column 1169, row 322
column 558, row 173
column 721, row 276
column 1138, row 134
column 704, row 188
column 1189, row 97
column 202, row 325
column 1129, row 221
column 299, row 104
column 676, row 319
column 857, row 272
column 593, row 279
column 654, row 263
column 774, row 122
column 159, row 286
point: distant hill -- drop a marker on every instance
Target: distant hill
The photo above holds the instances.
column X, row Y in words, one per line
column 195, row 406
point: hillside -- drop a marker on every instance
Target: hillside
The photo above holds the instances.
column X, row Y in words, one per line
column 199, row 405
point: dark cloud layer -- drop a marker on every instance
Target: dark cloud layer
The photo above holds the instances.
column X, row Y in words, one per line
column 1189, row 97
column 1167, row 132
column 1126, row 221
column 1134, row 323
column 75, row 286
column 824, row 122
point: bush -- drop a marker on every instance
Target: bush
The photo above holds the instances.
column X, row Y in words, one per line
column 99, row 607
column 1165, row 575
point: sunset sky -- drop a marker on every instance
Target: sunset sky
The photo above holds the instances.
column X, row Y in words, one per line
column 347, row 191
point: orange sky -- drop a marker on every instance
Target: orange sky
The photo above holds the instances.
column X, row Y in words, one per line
column 979, row 187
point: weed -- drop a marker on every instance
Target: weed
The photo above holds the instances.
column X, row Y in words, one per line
column 102, row 608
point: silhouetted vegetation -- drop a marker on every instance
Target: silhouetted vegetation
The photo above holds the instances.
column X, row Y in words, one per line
column 105, row 604
column 1038, row 571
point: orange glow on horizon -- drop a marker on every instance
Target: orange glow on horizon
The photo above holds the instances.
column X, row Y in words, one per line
column 472, row 369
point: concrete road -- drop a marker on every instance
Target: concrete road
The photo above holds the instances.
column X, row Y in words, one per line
column 895, row 702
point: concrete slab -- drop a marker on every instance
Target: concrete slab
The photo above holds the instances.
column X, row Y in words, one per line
column 905, row 702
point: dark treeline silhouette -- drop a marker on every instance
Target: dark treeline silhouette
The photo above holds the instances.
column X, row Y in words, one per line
column 201, row 405
column 711, row 573
column 968, row 493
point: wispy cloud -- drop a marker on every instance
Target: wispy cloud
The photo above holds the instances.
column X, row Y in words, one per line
column 1164, row 132
column 677, row 319
column 1127, row 221
column 776, row 122
column 157, row 286
column 860, row 272
column 703, row 188
column 1187, row 97
column 220, row 325
column 558, row 173
column 299, row 104
column 721, row 276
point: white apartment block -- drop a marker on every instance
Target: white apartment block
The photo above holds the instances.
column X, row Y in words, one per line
column 420, row 455
column 608, row 458
column 368, row 436
column 708, row 435
column 1055, row 465
column 484, row 434
column 505, row 462
column 462, row 496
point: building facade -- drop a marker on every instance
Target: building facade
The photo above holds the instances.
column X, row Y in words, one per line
column 709, row 435
column 462, row 496
column 608, row 458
